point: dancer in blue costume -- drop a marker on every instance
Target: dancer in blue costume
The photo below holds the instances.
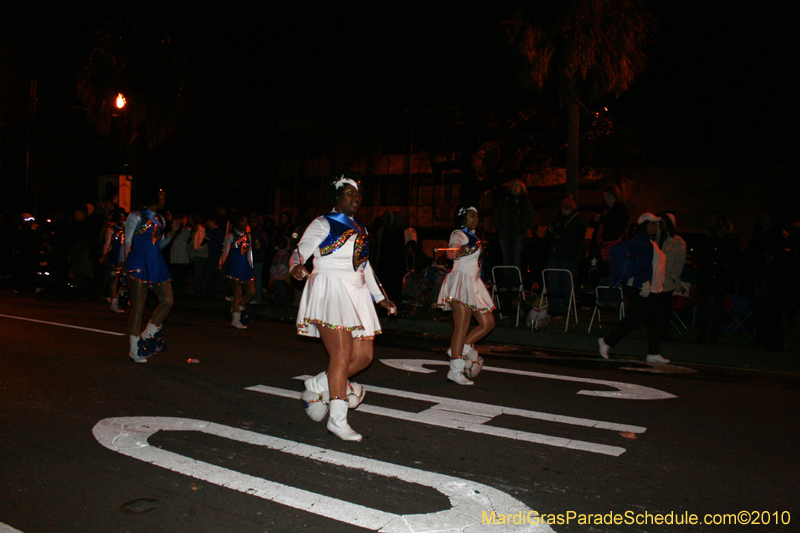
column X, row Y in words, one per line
column 238, row 253
column 111, row 255
column 145, row 268
column 337, row 304
column 463, row 291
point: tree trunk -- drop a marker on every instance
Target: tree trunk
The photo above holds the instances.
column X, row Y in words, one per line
column 573, row 144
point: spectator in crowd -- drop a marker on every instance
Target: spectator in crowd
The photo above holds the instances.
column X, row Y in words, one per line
column 674, row 248
column 513, row 217
column 215, row 243
column 260, row 250
column 199, row 255
column 610, row 226
column 565, row 246
column 642, row 278
column 179, row 253
column 715, row 258
column 278, row 271
column 767, row 260
column 25, row 246
column 391, row 268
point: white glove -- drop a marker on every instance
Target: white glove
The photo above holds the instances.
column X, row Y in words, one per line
column 645, row 292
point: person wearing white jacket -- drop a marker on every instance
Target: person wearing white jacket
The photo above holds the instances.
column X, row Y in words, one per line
column 674, row 248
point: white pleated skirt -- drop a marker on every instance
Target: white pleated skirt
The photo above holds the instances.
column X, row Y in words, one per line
column 462, row 286
column 340, row 300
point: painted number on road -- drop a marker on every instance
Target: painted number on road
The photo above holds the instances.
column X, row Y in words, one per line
column 469, row 499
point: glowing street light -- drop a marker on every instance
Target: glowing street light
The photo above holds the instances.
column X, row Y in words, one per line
column 120, row 101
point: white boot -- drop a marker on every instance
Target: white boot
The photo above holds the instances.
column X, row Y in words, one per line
column 337, row 421
column 318, row 383
column 456, row 373
column 115, row 306
column 134, row 352
column 236, row 322
column 316, row 397
column 473, row 362
column 150, row 331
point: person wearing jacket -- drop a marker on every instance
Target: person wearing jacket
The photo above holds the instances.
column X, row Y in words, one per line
column 610, row 227
column 513, row 217
column 644, row 276
column 674, row 248
column 716, row 259
column 566, row 238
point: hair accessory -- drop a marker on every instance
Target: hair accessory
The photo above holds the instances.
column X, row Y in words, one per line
column 342, row 180
column 463, row 210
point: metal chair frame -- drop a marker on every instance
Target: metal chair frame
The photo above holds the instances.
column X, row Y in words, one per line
column 596, row 310
column 573, row 306
column 496, row 290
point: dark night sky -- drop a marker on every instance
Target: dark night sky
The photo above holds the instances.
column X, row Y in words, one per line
column 719, row 88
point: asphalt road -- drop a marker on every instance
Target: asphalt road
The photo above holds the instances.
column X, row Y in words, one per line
column 92, row 442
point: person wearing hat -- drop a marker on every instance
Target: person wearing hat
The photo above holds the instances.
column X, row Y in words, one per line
column 565, row 239
column 643, row 277
column 674, row 248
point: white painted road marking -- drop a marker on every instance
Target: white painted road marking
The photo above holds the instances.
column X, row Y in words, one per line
column 469, row 499
column 625, row 391
column 64, row 325
column 473, row 416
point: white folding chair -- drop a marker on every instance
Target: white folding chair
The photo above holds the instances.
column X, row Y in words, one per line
column 607, row 304
column 573, row 306
column 499, row 273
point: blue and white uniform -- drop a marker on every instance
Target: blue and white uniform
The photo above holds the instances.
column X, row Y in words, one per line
column 144, row 237
column 113, row 241
column 340, row 291
column 464, row 284
column 237, row 249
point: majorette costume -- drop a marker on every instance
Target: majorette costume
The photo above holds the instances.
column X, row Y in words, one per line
column 113, row 240
column 144, row 236
column 237, row 250
column 339, row 295
column 112, row 244
column 463, row 285
column 240, row 257
column 340, row 291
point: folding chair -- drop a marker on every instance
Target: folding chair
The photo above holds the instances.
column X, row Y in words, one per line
column 611, row 299
column 678, row 303
column 499, row 273
column 740, row 312
column 573, row 306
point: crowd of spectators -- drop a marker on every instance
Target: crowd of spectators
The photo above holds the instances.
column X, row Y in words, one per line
column 67, row 252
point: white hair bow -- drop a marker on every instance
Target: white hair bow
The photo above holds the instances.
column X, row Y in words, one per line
column 342, row 180
column 463, row 210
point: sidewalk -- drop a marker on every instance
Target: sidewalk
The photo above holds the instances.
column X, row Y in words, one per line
column 732, row 352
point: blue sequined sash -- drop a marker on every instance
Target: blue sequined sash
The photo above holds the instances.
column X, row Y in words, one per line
column 342, row 228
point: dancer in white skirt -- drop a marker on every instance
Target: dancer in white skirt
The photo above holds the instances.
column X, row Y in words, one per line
column 337, row 304
column 464, row 293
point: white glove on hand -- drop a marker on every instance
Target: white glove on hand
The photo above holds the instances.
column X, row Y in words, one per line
column 645, row 292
